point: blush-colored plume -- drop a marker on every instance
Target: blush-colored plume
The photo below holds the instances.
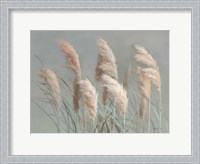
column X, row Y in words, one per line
column 117, row 91
column 72, row 56
column 89, row 96
column 106, row 62
column 52, row 84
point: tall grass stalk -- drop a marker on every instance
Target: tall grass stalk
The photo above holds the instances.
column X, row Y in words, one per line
column 106, row 64
column 148, row 76
column 124, row 121
column 149, row 120
column 114, row 115
column 160, row 113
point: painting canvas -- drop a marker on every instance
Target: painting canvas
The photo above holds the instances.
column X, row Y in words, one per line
column 99, row 81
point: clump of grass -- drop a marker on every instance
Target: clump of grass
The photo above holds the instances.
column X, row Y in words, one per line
column 146, row 77
column 145, row 90
column 101, row 116
column 118, row 92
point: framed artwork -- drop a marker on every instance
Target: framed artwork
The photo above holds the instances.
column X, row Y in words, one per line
column 99, row 81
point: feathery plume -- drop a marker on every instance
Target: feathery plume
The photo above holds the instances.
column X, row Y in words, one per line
column 53, row 86
column 152, row 72
column 144, row 57
column 154, row 76
column 106, row 62
column 90, row 97
column 117, row 91
column 147, row 76
column 145, row 90
column 145, row 82
column 72, row 56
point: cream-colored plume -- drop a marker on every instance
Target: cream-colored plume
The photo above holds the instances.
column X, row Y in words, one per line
column 152, row 72
column 53, row 86
column 154, row 76
column 89, row 96
column 117, row 91
column 144, row 57
column 106, row 62
column 145, row 82
column 146, row 76
column 72, row 56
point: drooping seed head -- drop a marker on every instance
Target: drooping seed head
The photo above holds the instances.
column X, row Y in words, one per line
column 117, row 91
column 144, row 81
column 154, row 76
column 52, row 84
column 89, row 96
column 71, row 55
column 106, row 62
column 144, row 57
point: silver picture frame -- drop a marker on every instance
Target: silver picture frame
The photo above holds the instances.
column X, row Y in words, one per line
column 5, row 110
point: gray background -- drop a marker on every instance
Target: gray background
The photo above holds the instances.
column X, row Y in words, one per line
column 43, row 44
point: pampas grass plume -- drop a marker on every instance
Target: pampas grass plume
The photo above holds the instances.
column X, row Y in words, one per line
column 152, row 72
column 72, row 56
column 89, row 96
column 106, row 62
column 145, row 87
column 53, row 86
column 144, row 57
column 117, row 91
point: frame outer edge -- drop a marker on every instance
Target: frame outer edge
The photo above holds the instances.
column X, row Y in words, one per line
column 1, row 107
column 5, row 73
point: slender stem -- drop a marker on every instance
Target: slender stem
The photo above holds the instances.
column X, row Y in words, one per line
column 124, row 121
column 142, row 123
column 83, row 119
column 112, row 120
column 92, row 126
column 65, row 119
column 160, row 114
column 149, row 121
column 48, row 115
column 114, row 112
